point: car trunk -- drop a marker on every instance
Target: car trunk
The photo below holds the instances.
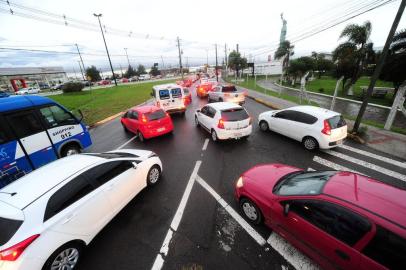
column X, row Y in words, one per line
column 235, row 119
column 11, row 218
column 338, row 127
column 157, row 120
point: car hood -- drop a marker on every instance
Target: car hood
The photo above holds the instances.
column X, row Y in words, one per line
column 266, row 175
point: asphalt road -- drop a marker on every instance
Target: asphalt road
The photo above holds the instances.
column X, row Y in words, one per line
column 168, row 227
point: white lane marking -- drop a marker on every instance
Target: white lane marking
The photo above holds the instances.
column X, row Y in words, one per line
column 247, row 227
column 368, row 154
column 367, row 165
column 310, row 169
column 290, row 253
column 127, row 142
column 159, row 261
column 206, row 142
column 332, row 165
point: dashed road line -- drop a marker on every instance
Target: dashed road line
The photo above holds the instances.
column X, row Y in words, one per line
column 159, row 260
column 206, row 142
column 332, row 165
column 127, row 142
column 372, row 155
column 367, row 165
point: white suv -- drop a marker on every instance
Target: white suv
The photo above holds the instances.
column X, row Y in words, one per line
column 227, row 93
column 224, row 120
column 48, row 216
column 313, row 126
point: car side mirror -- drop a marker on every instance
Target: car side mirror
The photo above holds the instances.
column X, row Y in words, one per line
column 134, row 164
column 286, row 209
column 198, row 111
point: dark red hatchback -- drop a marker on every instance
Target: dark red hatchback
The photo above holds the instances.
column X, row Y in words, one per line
column 342, row 220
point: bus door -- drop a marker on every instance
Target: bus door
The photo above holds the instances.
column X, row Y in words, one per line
column 36, row 144
column 13, row 162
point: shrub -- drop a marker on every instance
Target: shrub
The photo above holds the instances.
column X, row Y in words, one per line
column 321, row 90
column 72, row 87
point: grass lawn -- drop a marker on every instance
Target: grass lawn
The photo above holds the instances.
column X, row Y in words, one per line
column 329, row 84
column 101, row 103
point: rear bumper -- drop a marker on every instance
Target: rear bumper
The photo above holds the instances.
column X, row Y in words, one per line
column 150, row 133
column 235, row 100
column 327, row 143
column 224, row 134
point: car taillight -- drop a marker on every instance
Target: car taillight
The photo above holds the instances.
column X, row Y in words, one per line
column 221, row 124
column 326, row 129
column 13, row 252
column 201, row 89
column 144, row 119
column 239, row 183
column 184, row 101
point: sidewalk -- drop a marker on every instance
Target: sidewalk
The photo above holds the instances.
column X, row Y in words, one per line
column 378, row 139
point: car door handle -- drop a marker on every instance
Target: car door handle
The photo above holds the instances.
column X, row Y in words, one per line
column 68, row 218
column 342, row 255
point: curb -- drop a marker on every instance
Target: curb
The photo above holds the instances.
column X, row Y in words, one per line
column 266, row 103
column 105, row 120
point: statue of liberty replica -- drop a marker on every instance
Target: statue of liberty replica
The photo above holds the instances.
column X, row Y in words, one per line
column 283, row 30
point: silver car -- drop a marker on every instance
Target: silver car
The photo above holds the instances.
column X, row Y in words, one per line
column 226, row 93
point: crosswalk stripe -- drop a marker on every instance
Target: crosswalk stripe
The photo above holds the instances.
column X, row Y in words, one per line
column 367, row 165
column 332, row 165
column 378, row 157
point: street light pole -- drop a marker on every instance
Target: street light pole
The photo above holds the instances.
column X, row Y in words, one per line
column 215, row 69
column 125, row 49
column 105, row 44
column 180, row 58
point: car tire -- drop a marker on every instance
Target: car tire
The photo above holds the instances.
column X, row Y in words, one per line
column 220, row 100
column 214, row 136
column 310, row 143
column 154, row 175
column 197, row 122
column 208, row 99
column 251, row 211
column 70, row 149
column 140, row 136
column 263, row 125
column 70, row 252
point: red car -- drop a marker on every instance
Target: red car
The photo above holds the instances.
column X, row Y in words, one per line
column 342, row 220
column 103, row 82
column 187, row 97
column 147, row 122
column 203, row 89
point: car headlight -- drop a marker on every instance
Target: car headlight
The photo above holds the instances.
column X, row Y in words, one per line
column 239, row 182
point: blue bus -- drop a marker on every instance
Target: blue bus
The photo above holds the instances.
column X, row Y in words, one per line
column 34, row 131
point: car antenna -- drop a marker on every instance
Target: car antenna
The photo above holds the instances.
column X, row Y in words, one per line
column 9, row 193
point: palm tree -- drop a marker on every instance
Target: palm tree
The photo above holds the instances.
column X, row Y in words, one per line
column 285, row 50
column 357, row 39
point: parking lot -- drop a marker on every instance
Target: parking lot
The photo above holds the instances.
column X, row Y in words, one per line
column 190, row 220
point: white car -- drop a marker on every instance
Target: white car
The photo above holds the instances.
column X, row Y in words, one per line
column 28, row 91
column 48, row 216
column 313, row 126
column 224, row 120
column 227, row 93
column 169, row 97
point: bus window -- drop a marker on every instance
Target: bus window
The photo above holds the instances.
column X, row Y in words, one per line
column 5, row 134
column 55, row 116
column 25, row 124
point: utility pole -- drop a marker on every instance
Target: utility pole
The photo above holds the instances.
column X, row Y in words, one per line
column 215, row 69
column 225, row 59
column 81, row 60
column 126, row 54
column 238, row 48
column 81, row 71
column 379, row 66
column 180, row 58
column 207, row 57
column 121, row 69
column 105, row 44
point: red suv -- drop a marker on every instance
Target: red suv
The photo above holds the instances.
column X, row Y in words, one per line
column 147, row 122
column 342, row 220
column 203, row 89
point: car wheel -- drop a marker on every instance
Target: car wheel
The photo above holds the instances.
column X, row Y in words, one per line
column 208, row 99
column 65, row 257
column 263, row 125
column 70, row 149
column 214, row 136
column 251, row 211
column 220, row 100
column 140, row 136
column 154, row 175
column 310, row 143
column 197, row 122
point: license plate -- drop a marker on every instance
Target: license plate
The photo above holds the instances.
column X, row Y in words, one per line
column 160, row 129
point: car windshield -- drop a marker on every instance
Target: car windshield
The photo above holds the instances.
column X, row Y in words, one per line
column 303, row 183
column 229, row 89
column 236, row 114
column 156, row 115
column 336, row 121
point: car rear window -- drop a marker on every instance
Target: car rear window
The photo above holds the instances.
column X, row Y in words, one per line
column 336, row 121
column 237, row 114
column 155, row 115
column 186, row 91
column 176, row 92
column 229, row 89
column 164, row 94
column 8, row 228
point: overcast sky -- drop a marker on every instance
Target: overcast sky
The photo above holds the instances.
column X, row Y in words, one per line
column 254, row 24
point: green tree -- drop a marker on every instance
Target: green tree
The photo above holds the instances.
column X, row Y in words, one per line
column 344, row 57
column 394, row 69
column 130, row 72
column 285, row 51
column 154, row 71
column 298, row 67
column 93, row 74
column 141, row 70
column 357, row 38
column 236, row 62
column 321, row 64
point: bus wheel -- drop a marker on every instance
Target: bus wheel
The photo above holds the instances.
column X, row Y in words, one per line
column 70, row 149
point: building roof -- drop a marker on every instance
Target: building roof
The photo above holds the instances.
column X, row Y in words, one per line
column 20, row 102
column 377, row 197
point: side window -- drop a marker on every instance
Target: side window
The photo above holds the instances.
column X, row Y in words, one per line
column 67, row 195
column 5, row 132
column 387, row 249
column 305, row 118
column 211, row 112
column 291, row 115
column 107, row 171
column 133, row 115
column 55, row 116
column 204, row 110
column 282, row 115
column 335, row 220
column 25, row 124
